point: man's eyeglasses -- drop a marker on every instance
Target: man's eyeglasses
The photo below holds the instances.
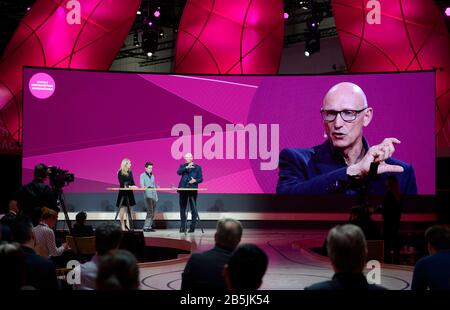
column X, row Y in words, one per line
column 347, row 115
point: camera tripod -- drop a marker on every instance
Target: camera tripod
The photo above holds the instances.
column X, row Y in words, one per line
column 60, row 202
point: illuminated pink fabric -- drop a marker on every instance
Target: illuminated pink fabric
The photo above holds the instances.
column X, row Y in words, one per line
column 230, row 37
column 45, row 38
column 412, row 35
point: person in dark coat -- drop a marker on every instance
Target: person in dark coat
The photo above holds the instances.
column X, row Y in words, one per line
column 205, row 271
column 80, row 229
column 191, row 176
column 36, row 195
column 125, row 197
column 391, row 211
column 40, row 272
column 347, row 250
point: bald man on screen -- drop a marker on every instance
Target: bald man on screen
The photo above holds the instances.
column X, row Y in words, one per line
column 332, row 166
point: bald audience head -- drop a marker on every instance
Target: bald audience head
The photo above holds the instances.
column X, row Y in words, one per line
column 228, row 233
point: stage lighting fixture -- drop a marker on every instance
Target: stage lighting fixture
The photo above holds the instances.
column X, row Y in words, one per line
column 305, row 4
column 312, row 43
column 138, row 12
column 313, row 22
column 149, row 54
column 447, row 11
column 286, row 15
column 157, row 13
column 149, row 41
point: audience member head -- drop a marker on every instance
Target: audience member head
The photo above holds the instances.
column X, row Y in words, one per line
column 228, row 233
column 49, row 217
column 246, row 268
column 107, row 237
column 80, row 218
column 40, row 172
column 118, row 270
column 438, row 238
column 22, row 231
column 347, row 248
column 9, row 218
column 12, row 206
column 12, row 267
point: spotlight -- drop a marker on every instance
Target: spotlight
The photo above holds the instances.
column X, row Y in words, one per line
column 313, row 22
column 150, row 24
column 161, row 34
column 312, row 44
column 149, row 54
column 138, row 12
column 157, row 14
column 149, row 41
column 305, row 4
column 447, row 11
column 286, row 15
column 28, row 8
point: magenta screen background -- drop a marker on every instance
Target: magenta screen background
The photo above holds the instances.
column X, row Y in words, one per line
column 95, row 119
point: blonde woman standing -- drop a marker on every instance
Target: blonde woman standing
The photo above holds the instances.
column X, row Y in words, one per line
column 125, row 197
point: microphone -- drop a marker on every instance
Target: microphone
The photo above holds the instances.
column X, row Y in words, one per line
column 373, row 171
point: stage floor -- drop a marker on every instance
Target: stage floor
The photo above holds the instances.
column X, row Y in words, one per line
column 292, row 266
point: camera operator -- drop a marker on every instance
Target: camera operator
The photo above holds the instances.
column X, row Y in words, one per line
column 36, row 195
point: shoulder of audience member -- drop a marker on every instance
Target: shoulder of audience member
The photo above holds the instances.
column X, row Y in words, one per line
column 321, row 286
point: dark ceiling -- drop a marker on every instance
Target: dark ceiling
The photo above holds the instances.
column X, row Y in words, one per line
column 12, row 11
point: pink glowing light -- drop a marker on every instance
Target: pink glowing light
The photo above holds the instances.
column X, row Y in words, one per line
column 447, row 11
column 44, row 38
column 406, row 48
column 286, row 15
column 157, row 13
column 230, row 37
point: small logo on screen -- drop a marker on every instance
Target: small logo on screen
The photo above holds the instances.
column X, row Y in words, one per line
column 42, row 85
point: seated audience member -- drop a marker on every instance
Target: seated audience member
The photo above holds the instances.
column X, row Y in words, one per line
column 433, row 271
column 204, row 271
column 118, row 270
column 7, row 220
column 80, row 229
column 347, row 249
column 39, row 271
column 107, row 238
column 45, row 236
column 246, row 268
column 12, row 267
column 9, row 217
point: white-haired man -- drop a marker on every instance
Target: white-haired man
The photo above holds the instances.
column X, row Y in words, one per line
column 191, row 176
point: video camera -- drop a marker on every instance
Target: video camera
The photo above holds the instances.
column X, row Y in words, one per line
column 59, row 178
